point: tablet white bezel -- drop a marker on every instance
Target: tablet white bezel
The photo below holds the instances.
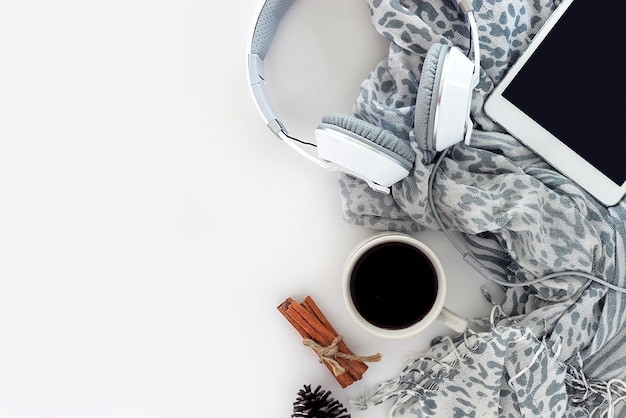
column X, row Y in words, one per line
column 537, row 138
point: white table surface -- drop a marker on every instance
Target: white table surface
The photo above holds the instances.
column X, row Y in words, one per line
column 150, row 224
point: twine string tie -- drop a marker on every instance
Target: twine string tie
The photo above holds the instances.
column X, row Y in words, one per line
column 329, row 354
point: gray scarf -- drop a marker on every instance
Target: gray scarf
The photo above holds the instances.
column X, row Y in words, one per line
column 550, row 349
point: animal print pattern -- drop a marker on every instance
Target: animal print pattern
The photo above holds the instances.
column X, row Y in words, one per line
column 521, row 218
column 522, row 377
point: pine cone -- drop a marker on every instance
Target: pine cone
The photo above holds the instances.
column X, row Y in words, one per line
column 317, row 404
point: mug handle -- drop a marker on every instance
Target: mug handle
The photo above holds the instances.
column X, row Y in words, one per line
column 452, row 320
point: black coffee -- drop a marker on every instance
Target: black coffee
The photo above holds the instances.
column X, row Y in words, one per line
column 393, row 285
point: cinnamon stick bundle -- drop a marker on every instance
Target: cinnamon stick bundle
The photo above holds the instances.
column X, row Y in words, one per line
column 318, row 333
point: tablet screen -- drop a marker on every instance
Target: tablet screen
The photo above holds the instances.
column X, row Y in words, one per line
column 573, row 85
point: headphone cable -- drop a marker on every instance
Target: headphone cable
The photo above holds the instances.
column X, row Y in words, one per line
column 300, row 141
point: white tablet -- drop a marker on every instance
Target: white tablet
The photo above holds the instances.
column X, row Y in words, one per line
column 563, row 97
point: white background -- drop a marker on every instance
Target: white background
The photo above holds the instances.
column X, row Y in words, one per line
column 150, row 224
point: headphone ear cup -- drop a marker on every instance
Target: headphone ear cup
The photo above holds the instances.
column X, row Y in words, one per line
column 443, row 98
column 363, row 149
column 372, row 134
column 427, row 91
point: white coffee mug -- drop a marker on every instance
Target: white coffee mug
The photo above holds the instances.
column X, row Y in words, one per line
column 394, row 286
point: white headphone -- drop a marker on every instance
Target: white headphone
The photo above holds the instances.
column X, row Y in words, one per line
column 361, row 149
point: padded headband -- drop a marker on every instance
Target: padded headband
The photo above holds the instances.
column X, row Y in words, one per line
column 272, row 11
column 269, row 16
